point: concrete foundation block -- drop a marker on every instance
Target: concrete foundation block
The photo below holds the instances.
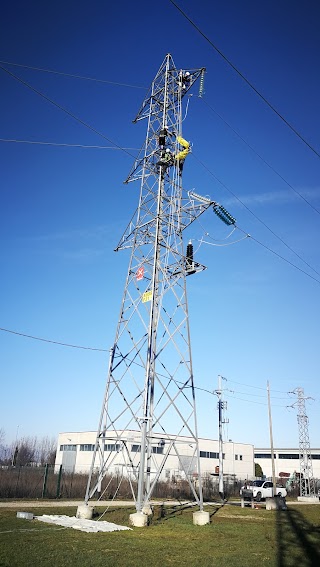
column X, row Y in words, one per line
column 147, row 510
column 309, row 499
column 138, row 519
column 25, row 515
column 201, row 518
column 85, row 512
column 276, row 503
column 244, row 502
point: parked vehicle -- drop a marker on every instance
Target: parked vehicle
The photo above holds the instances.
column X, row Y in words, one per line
column 260, row 489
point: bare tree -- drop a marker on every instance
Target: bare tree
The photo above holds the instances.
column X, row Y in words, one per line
column 46, row 451
column 3, row 452
column 25, row 451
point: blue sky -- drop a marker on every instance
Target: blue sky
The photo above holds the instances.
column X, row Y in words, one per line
column 63, row 209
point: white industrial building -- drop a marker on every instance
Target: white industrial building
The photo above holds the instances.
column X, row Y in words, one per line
column 286, row 461
column 75, row 452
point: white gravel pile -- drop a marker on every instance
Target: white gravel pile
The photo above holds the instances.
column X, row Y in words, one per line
column 80, row 524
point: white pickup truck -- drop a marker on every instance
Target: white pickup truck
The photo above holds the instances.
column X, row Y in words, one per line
column 259, row 489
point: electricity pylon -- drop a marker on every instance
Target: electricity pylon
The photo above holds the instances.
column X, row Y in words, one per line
column 307, row 484
column 150, row 386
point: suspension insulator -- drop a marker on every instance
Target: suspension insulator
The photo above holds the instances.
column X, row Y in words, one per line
column 201, row 85
column 223, row 214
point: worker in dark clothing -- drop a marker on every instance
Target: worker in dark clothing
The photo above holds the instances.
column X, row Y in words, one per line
column 162, row 137
column 166, row 159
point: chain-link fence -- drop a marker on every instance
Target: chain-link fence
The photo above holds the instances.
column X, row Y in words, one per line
column 50, row 482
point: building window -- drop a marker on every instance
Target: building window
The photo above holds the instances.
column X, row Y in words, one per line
column 240, row 457
column 236, row 457
column 112, row 447
column 209, row 455
column 288, row 456
column 86, row 447
column 315, row 456
column 136, row 448
column 68, row 447
column 158, row 450
column 262, row 455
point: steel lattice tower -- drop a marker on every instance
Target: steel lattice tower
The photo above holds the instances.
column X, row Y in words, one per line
column 150, row 386
column 307, row 485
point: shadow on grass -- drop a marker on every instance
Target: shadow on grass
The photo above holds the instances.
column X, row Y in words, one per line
column 298, row 540
column 165, row 513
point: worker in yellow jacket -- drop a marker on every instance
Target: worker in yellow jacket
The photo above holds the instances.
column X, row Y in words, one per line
column 181, row 156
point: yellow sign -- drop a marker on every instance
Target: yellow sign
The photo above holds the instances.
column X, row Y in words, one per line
column 146, row 296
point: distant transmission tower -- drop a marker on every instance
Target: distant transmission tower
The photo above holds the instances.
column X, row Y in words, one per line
column 150, row 387
column 307, row 484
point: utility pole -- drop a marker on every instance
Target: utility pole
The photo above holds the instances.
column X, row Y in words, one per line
column 271, row 444
column 221, row 406
column 307, row 484
column 150, row 384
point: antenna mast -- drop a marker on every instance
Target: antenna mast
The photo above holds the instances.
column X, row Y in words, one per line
column 149, row 400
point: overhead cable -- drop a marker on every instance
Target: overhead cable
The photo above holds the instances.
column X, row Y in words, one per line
column 64, row 110
column 261, row 158
column 256, row 395
column 52, row 342
column 281, row 257
column 73, row 76
column 65, row 145
column 258, row 219
column 254, row 402
column 247, row 81
column 250, row 386
column 105, row 350
column 225, row 244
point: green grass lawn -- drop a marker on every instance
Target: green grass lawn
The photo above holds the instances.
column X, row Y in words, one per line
column 235, row 537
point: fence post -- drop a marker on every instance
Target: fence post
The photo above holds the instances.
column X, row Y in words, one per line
column 59, row 482
column 45, row 478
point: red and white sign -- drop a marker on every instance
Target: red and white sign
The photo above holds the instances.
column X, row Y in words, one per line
column 140, row 273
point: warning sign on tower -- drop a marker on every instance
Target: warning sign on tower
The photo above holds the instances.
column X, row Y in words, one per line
column 140, row 273
column 146, row 296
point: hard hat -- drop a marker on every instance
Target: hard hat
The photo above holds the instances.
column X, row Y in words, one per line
column 167, row 150
column 187, row 74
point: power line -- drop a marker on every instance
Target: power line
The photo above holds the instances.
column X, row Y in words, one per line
column 261, row 158
column 254, row 402
column 64, row 110
column 65, row 145
column 256, row 395
column 264, row 224
column 127, row 152
column 73, row 76
column 105, row 350
column 51, row 341
column 250, row 386
column 247, row 81
column 283, row 258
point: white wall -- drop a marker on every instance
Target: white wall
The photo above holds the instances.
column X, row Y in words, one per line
column 238, row 461
column 287, row 465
